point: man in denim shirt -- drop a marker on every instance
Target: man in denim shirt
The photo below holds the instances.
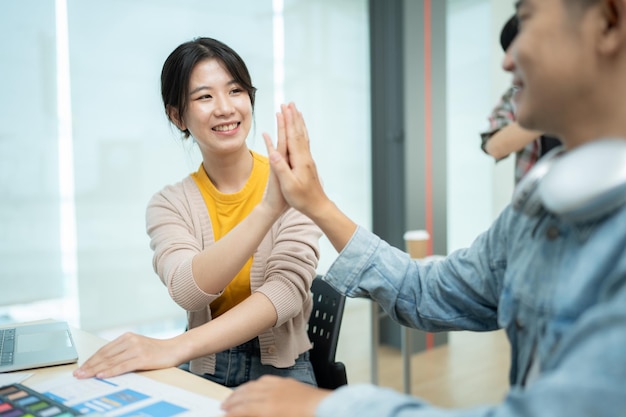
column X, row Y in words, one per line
column 556, row 282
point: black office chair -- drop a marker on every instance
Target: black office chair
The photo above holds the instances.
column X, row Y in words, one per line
column 324, row 326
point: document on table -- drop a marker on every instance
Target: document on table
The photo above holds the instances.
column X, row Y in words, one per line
column 8, row 378
column 129, row 395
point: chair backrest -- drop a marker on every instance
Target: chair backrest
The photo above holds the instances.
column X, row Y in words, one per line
column 324, row 326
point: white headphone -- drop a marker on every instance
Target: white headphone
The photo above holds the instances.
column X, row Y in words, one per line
column 580, row 185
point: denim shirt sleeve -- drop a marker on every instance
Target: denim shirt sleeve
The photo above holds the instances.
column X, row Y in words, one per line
column 363, row 400
column 588, row 378
column 460, row 291
column 583, row 339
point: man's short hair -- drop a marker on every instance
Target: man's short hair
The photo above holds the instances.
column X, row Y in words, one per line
column 583, row 2
column 508, row 33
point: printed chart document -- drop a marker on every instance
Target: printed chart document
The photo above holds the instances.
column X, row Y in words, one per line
column 9, row 378
column 129, row 395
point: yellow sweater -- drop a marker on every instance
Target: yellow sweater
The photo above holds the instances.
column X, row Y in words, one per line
column 283, row 267
column 227, row 211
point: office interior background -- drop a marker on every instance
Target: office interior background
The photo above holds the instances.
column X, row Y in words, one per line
column 84, row 141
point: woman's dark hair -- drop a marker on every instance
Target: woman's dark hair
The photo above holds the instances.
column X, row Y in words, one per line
column 181, row 62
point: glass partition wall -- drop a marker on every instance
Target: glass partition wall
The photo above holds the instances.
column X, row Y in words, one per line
column 84, row 141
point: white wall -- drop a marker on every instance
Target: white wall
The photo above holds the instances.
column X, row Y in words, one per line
column 30, row 254
column 478, row 188
column 503, row 174
column 327, row 75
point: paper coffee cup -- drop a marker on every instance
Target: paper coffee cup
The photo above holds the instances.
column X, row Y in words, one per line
column 416, row 242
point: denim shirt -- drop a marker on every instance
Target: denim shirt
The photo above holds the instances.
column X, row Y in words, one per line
column 558, row 289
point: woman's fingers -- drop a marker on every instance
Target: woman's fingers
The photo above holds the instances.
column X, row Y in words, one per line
column 280, row 168
column 125, row 354
column 268, row 144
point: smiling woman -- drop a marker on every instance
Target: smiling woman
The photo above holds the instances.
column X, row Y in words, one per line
column 219, row 74
column 228, row 248
column 216, row 107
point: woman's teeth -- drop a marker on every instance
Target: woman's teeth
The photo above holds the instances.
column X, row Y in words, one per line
column 225, row 128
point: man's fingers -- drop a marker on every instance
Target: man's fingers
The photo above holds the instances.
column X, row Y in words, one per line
column 297, row 137
column 252, row 399
column 244, row 401
column 281, row 144
column 272, row 396
column 299, row 120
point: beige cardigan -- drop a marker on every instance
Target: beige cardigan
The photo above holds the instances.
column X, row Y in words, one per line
column 283, row 267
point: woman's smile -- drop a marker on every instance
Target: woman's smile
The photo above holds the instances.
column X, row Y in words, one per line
column 227, row 127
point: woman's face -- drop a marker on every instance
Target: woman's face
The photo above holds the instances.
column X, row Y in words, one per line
column 219, row 112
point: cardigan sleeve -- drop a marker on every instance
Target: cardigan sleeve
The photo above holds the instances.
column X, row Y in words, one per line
column 291, row 264
column 177, row 233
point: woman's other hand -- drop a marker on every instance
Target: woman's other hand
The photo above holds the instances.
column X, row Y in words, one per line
column 129, row 352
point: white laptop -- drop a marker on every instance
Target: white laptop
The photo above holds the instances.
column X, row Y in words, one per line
column 26, row 346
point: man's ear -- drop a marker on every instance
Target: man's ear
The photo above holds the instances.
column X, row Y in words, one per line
column 174, row 116
column 613, row 14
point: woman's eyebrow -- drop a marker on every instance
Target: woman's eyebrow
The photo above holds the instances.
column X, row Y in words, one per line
column 206, row 87
column 202, row 87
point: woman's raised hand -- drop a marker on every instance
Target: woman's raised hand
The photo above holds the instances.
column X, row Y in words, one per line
column 274, row 197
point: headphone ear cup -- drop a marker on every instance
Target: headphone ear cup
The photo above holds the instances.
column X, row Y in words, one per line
column 526, row 196
column 588, row 182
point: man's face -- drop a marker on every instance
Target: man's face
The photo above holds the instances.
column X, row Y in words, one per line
column 552, row 63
